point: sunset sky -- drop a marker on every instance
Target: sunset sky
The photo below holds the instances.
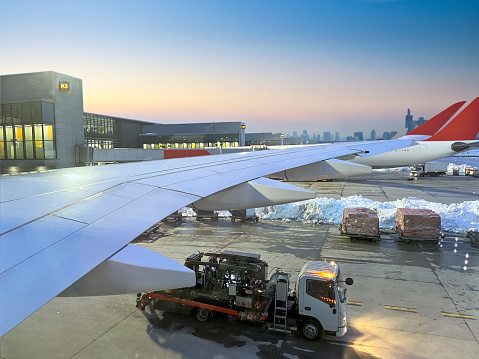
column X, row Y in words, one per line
column 279, row 66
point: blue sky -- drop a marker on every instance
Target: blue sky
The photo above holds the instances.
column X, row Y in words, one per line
column 280, row 66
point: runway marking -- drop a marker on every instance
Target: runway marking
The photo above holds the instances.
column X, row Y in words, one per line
column 358, row 304
column 412, row 310
column 459, row 316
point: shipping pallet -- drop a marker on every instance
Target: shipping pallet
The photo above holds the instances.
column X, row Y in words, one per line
column 415, row 238
column 357, row 236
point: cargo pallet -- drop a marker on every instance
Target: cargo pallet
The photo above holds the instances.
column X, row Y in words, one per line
column 357, row 236
column 408, row 239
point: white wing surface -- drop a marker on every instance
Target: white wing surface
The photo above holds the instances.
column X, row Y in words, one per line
column 57, row 226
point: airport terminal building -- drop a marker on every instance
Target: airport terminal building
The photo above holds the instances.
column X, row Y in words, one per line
column 43, row 126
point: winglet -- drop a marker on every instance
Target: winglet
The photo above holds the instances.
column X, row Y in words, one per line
column 465, row 126
column 433, row 125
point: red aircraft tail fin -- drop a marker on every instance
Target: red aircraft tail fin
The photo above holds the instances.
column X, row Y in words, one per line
column 433, row 125
column 465, row 126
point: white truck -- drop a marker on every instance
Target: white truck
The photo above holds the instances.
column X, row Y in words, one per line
column 235, row 283
column 429, row 169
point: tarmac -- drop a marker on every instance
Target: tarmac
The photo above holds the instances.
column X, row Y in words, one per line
column 408, row 300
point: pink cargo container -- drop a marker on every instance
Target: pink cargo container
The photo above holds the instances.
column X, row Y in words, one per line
column 415, row 223
column 360, row 222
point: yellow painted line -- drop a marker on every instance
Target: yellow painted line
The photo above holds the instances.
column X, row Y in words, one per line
column 459, row 316
column 412, row 310
column 358, row 304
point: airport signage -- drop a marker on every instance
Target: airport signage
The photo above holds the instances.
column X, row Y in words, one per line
column 64, row 86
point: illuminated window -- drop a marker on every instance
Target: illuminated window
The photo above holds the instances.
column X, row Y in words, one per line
column 22, row 131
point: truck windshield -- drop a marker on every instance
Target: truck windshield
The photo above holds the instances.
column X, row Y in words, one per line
column 321, row 290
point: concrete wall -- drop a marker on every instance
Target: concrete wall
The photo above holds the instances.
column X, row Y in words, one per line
column 119, row 155
column 68, row 105
column 68, row 118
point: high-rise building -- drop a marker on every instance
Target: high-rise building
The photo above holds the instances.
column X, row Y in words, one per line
column 327, row 136
column 295, row 134
column 386, row 136
column 409, row 122
column 359, row 135
column 420, row 121
column 305, row 136
column 373, row 135
column 336, row 136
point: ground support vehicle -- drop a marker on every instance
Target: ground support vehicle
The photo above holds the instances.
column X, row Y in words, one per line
column 244, row 215
column 473, row 236
column 175, row 216
column 429, row 169
column 471, row 171
column 202, row 215
column 235, row 283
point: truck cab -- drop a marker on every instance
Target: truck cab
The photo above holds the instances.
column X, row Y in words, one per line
column 322, row 300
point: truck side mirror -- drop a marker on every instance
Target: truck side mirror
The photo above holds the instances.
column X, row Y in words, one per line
column 349, row 281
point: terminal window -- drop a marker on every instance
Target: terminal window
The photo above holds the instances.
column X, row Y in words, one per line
column 27, row 131
column 100, row 131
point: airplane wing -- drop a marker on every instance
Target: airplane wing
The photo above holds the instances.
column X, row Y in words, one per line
column 57, row 226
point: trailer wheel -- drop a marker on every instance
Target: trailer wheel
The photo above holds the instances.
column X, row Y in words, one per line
column 311, row 330
column 202, row 314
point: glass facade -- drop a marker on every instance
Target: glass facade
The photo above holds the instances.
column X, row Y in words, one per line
column 27, row 131
column 101, row 131
column 190, row 141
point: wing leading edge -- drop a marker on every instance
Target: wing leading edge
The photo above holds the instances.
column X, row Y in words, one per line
column 58, row 226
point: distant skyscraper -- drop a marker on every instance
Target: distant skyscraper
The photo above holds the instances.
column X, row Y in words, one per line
column 393, row 133
column 386, row 136
column 373, row 135
column 327, row 136
column 359, row 135
column 409, row 122
column 318, row 137
column 336, row 136
column 295, row 133
column 420, row 121
column 305, row 136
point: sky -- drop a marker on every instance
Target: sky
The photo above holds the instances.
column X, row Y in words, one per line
column 279, row 66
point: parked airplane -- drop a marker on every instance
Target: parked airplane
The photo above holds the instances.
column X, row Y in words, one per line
column 456, row 136
column 67, row 231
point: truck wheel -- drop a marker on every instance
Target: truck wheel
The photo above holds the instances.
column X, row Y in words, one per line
column 311, row 330
column 202, row 314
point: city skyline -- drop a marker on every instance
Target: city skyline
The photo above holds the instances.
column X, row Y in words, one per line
column 278, row 66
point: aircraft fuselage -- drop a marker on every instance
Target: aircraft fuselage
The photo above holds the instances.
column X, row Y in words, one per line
column 423, row 152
